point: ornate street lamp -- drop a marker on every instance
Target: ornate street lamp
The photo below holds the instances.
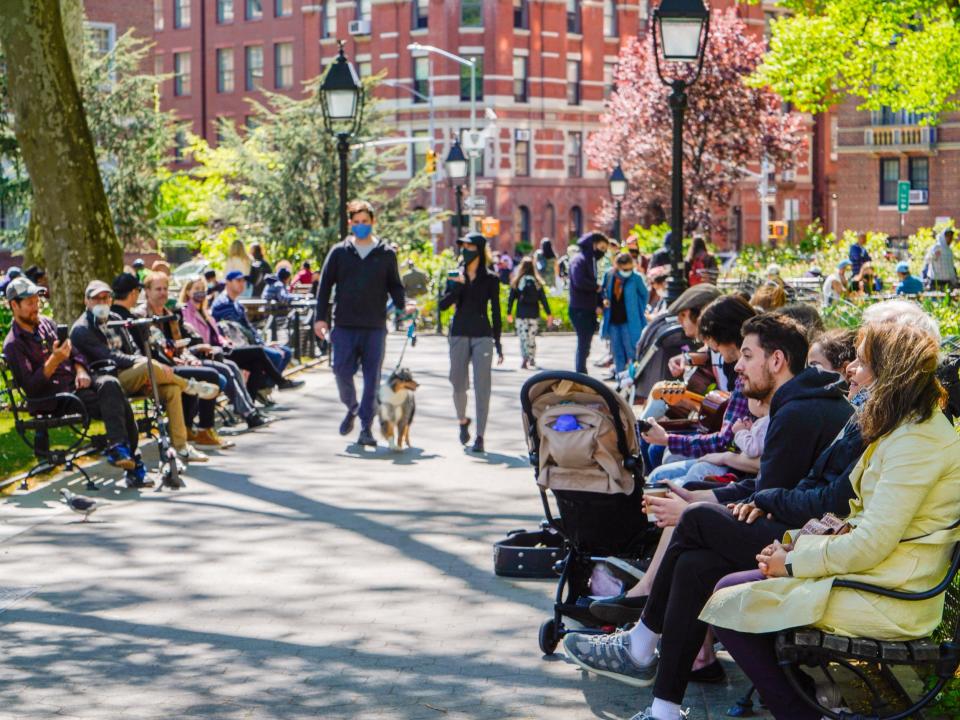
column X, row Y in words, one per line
column 341, row 99
column 456, row 167
column 618, row 191
column 683, row 27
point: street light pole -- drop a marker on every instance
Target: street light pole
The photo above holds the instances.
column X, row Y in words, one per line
column 677, row 282
column 618, row 191
column 343, row 151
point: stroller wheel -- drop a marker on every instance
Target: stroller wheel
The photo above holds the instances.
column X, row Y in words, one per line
column 549, row 637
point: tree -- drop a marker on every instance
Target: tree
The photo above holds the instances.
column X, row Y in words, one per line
column 727, row 126
column 70, row 212
column 903, row 55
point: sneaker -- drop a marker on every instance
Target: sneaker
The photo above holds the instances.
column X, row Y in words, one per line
column 255, row 420
column 203, row 390
column 137, row 478
column 477, row 445
column 189, row 453
column 208, row 437
column 287, row 384
column 366, row 438
column 618, row 610
column 465, row 432
column 119, row 456
column 346, row 427
column 263, row 397
column 648, row 715
column 609, row 655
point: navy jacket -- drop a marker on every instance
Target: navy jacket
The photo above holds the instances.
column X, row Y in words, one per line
column 99, row 345
column 584, row 288
column 362, row 286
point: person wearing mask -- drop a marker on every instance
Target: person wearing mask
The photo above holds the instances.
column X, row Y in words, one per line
column 624, row 304
column 112, row 349
column 835, row 286
column 363, row 269
column 859, row 254
column 585, row 292
column 527, row 291
column 938, row 262
column 657, row 301
column 474, row 332
column 907, row 284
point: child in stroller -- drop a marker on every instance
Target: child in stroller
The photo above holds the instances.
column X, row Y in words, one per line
column 583, row 446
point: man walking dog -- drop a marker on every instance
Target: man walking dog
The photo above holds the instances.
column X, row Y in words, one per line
column 364, row 271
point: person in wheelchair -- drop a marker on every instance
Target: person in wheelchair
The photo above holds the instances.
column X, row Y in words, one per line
column 44, row 366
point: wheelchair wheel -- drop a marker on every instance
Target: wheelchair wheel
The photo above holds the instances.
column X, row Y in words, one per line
column 549, row 637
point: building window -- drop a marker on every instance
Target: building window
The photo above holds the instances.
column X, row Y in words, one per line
column 421, row 11
column 330, row 18
column 521, row 154
column 179, row 146
column 224, row 11
column 103, row 36
column 889, row 177
column 609, row 79
column 181, row 73
column 919, row 173
column 421, row 78
column 254, row 67
column 225, row 82
column 471, row 13
column 158, row 15
column 611, row 25
column 575, row 154
column 254, row 10
column 419, row 151
column 519, row 79
column 549, row 221
column 283, row 66
column 465, row 78
column 573, row 82
column 576, row 223
column 364, row 69
column 522, row 222
column 363, row 10
column 181, row 13
column 521, row 14
column 573, row 16
column 283, row 8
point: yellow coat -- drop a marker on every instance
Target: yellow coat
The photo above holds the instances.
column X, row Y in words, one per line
column 907, row 488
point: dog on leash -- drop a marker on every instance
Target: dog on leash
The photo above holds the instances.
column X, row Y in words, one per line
column 396, row 406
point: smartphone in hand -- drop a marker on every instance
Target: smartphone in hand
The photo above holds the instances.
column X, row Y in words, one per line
column 63, row 332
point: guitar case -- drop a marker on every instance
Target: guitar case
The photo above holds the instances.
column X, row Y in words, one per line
column 524, row 554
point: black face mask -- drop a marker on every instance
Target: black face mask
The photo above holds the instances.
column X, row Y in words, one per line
column 598, row 253
column 469, row 256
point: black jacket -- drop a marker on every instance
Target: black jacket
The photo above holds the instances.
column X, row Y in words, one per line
column 806, row 414
column 471, row 298
column 362, row 286
column 527, row 303
column 825, row 489
column 95, row 345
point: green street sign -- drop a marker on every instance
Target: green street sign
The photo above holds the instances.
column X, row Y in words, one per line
column 903, row 196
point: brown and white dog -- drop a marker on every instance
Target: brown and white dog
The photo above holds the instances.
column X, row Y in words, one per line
column 396, row 406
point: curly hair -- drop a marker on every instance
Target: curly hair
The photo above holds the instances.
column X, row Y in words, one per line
column 905, row 387
column 838, row 346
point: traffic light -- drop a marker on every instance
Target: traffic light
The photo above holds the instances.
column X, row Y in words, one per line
column 431, row 164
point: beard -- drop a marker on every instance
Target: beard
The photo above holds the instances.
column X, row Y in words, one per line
column 759, row 389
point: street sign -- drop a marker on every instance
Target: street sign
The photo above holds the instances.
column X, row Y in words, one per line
column 903, row 196
column 436, row 227
column 472, row 140
column 490, row 227
column 476, row 202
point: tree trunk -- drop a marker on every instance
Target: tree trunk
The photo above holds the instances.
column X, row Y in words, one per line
column 71, row 214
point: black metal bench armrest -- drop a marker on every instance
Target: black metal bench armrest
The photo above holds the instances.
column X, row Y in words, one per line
column 901, row 594
column 54, row 418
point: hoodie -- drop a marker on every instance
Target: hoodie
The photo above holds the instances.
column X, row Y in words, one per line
column 359, row 286
column 806, row 414
column 584, row 288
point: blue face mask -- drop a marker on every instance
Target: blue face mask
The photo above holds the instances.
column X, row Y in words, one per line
column 625, row 273
column 362, row 231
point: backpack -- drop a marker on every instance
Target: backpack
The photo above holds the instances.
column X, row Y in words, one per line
column 529, row 292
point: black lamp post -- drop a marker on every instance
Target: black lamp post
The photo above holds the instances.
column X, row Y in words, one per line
column 683, row 27
column 618, row 191
column 341, row 98
column 456, row 166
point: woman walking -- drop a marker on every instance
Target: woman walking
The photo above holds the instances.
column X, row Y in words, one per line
column 526, row 290
column 473, row 334
column 624, row 302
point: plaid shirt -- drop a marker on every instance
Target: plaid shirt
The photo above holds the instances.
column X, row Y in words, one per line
column 694, row 446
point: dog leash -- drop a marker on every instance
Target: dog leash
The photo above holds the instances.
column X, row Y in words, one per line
column 411, row 335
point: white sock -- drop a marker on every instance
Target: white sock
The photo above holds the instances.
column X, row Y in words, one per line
column 663, row 710
column 643, row 643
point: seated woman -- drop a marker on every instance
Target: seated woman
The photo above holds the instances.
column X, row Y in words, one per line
column 907, row 487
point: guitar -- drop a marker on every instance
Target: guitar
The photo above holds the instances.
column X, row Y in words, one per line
column 710, row 407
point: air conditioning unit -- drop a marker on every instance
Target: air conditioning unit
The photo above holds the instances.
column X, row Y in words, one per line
column 522, row 135
column 919, row 197
column 359, row 27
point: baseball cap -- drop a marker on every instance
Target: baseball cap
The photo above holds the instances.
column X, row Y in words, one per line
column 235, row 275
column 126, row 283
column 138, row 263
column 95, row 288
column 20, row 288
column 14, row 272
column 844, row 263
column 697, row 296
column 903, row 267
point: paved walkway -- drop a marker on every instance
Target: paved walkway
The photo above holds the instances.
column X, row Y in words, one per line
column 301, row 577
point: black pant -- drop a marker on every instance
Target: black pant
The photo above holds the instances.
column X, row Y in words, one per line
column 585, row 323
column 105, row 400
column 254, row 359
column 194, row 406
column 708, row 543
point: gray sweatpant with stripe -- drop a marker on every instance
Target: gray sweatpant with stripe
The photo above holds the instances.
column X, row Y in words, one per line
column 479, row 352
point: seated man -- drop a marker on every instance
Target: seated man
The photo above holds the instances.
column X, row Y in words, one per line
column 227, row 307
column 276, row 288
column 43, row 366
column 112, row 347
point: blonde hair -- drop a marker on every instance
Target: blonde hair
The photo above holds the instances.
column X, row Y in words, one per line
column 238, row 250
column 185, row 293
column 769, row 296
column 153, row 276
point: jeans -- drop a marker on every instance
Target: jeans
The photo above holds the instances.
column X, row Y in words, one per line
column 686, row 471
column 621, row 346
column 194, row 406
column 106, row 400
column 585, row 323
column 234, row 388
column 255, row 360
column 279, row 355
column 354, row 348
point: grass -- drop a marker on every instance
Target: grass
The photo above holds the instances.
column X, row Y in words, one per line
column 16, row 457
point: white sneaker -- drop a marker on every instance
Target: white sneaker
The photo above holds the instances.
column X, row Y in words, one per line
column 203, row 390
column 189, row 453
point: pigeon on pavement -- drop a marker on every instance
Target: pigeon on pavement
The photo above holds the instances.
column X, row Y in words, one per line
column 79, row 504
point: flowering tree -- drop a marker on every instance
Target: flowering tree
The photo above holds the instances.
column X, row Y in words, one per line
column 727, row 126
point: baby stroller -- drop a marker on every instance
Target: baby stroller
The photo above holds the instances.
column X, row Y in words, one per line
column 583, row 447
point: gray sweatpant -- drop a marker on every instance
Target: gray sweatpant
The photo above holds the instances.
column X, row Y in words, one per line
column 479, row 352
